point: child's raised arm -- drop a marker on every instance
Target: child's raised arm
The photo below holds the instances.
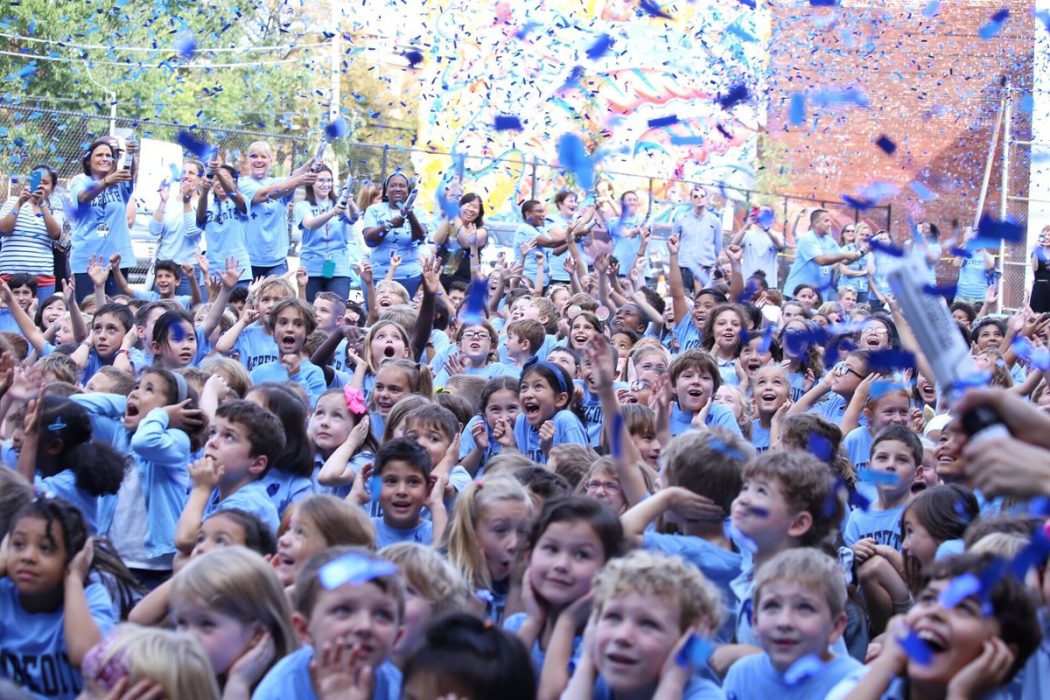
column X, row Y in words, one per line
column 80, row 329
column 676, row 498
column 205, row 475
column 25, row 324
column 674, row 278
column 99, row 273
column 425, row 319
column 228, row 340
column 337, row 470
column 159, row 437
column 78, row 624
column 229, row 280
column 153, row 608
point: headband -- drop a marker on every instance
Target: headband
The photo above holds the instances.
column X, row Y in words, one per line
column 182, row 390
column 557, row 371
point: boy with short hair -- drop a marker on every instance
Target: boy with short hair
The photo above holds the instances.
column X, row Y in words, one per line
column 403, row 467
column 245, row 440
column 646, row 605
column 524, row 338
column 111, row 342
column 890, row 405
column 337, row 643
column 167, row 275
column 23, row 293
column 799, row 611
column 896, row 453
column 830, row 397
column 328, row 311
column 695, row 380
column 786, row 500
column 699, row 467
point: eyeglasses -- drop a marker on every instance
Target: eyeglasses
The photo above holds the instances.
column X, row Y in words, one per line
column 877, row 330
column 842, row 369
column 474, row 335
column 607, row 486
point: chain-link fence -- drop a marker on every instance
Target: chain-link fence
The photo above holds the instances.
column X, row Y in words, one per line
column 1016, row 174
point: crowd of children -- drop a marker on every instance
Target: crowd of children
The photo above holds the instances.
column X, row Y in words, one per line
column 510, row 487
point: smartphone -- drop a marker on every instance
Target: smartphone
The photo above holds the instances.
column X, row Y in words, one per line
column 410, row 201
column 34, row 180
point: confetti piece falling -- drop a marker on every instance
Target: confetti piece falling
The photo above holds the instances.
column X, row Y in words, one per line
column 1007, row 229
column 797, row 111
column 916, row 649
column 737, row 94
column 652, row 9
column 803, row 669
column 600, row 47
column 992, row 27
column 191, row 144
column 355, row 569
column 886, row 144
column 474, row 309
column 959, row 589
column 695, row 653
column 872, row 476
column 507, row 122
column 616, row 446
column 572, row 154
column 931, row 9
column 337, row 129
column 186, row 46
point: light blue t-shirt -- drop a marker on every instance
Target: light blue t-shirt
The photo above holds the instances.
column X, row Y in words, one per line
column 33, row 645
column 514, row 623
column 255, row 347
column 225, row 236
column 284, row 488
column 857, row 445
column 266, row 232
column 328, row 242
column 523, row 234
column 100, row 227
column 696, row 689
column 251, row 498
column 754, row 677
column 972, row 284
column 883, row 526
column 290, row 678
column 310, row 377
column 423, row 533
column 687, row 334
column 398, row 240
column 759, row 436
column 804, row 269
column 97, row 510
column 567, row 430
column 717, row 414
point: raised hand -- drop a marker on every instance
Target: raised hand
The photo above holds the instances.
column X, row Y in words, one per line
column 364, row 271
column 205, row 473
column 97, row 271
column 547, row 436
column 673, row 244
column 431, row 275
column 181, row 416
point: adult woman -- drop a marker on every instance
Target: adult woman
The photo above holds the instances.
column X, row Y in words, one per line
column 392, row 230
column 626, row 231
column 855, row 274
column 973, row 282
column 100, row 226
column 180, row 238
column 459, row 241
column 29, row 227
column 320, row 218
column 1040, row 301
column 269, row 197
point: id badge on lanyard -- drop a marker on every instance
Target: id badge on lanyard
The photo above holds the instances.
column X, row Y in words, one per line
column 328, row 268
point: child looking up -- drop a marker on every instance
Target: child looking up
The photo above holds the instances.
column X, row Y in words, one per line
column 890, row 405
column 291, row 321
column 343, row 443
column 799, row 611
column 317, row 522
column 771, row 393
column 251, row 338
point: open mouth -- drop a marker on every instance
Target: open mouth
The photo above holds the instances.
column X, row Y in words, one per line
column 934, row 641
column 531, row 408
column 388, row 351
column 579, row 339
column 620, row 660
column 918, row 486
column 132, row 410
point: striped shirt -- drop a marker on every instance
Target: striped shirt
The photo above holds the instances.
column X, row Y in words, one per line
column 28, row 248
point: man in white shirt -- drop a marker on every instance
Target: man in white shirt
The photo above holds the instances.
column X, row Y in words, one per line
column 761, row 245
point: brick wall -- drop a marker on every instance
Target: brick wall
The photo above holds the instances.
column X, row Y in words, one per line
column 934, row 87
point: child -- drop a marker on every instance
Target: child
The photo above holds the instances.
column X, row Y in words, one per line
column 975, row 645
column 475, row 355
column 640, row 422
column 486, row 536
column 601, row 481
column 403, row 468
column 58, row 447
column 594, row 382
column 252, row 340
column 723, row 337
column 703, row 474
column 688, row 324
column 462, row 657
column 524, row 339
column 695, row 379
column 830, row 397
column 771, row 390
column 167, row 274
column 498, row 412
column 110, row 343
column 148, row 662
column 546, row 418
column 290, row 476
column 646, row 607
column 291, row 321
column 244, row 440
column 896, row 453
column 360, row 616
column 50, row 615
column 569, row 544
column 802, row 354
column 396, row 379
column 432, row 588
column 731, row 397
column 317, row 522
column 234, row 527
column 889, row 407
column 159, row 424
column 174, row 343
column 932, row 526
column 799, row 611
column 232, row 602
column 783, row 503
column 343, row 443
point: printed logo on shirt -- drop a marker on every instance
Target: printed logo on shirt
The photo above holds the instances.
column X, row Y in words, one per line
column 593, row 413
column 254, row 362
column 47, row 674
column 891, row 538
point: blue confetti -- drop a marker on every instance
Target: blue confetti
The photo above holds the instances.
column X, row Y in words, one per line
column 872, row 476
column 960, row 252
column 695, row 653
column 1033, row 554
column 824, row 3
column 931, row 9
column 574, row 78
column 474, row 307
column 888, row 360
column 737, row 94
column 507, row 122
column 572, row 154
column 719, row 446
column 748, row 3
column 803, row 669
column 413, row 57
column 767, row 339
column 178, row 332
column 337, row 129
column 924, row 193
column 652, row 9
column 881, row 387
column 742, row 541
column 1044, row 17
column 886, row 144
column 677, row 140
column 959, row 589
column 836, row 98
column 858, row 500
column 616, row 446
column 992, row 27
column 1008, row 229
column 600, row 47
column 916, row 649
column 759, row 512
column 354, row 568
column 887, row 248
column 185, row 45
column 766, row 217
column 797, row 110
column 831, row 500
column 663, row 121
column 190, row 143
column 526, row 28
column 485, row 596
column 860, row 203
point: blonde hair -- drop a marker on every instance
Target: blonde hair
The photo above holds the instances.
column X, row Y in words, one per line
column 407, row 404
column 366, row 194
column 428, row 572
column 666, row 577
column 238, row 582
column 236, row 376
column 461, row 537
column 401, row 314
column 337, row 521
column 263, row 146
column 808, row 567
column 176, row 661
column 394, row 287
column 1006, row 545
column 372, row 333
column 270, row 283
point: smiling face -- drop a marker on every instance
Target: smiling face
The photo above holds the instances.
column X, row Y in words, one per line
column 889, row 409
column 165, row 282
column 224, row 637
column 502, row 404
column 807, row 297
column 54, row 311
column 693, row 388
column 403, row 494
column 874, row 336
column 793, row 620
column 634, row 635
column 397, row 189
column 955, row 635
column 179, row 348
column 580, row 332
column 24, row 297
column 469, row 212
column 323, row 184
column 989, row 337
column 539, row 400
column 771, row 390
column 564, row 562
column 893, row 457
column 299, row 542
column 150, row 392
column 918, row 542
column 429, row 436
column 501, row 532
column 391, row 386
column 102, row 162
column 259, row 161
column 604, row 486
column 364, row 616
column 702, row 306
column 290, row 331
column 36, row 556
column 949, row 454
column 568, row 206
column 761, row 512
column 726, row 330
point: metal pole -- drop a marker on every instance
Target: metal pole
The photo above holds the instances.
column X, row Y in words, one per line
column 336, row 53
column 532, row 190
column 1004, row 187
column 988, row 163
